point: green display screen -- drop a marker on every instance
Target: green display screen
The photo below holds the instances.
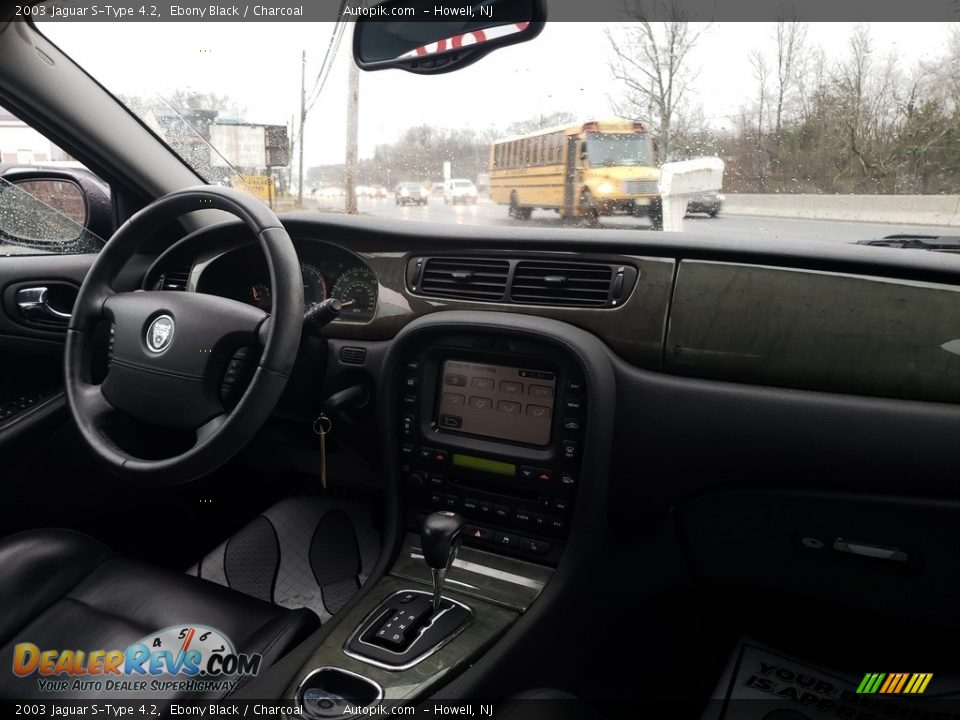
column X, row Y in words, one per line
column 477, row 463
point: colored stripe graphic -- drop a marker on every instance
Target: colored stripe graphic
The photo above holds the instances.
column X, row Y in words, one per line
column 894, row 683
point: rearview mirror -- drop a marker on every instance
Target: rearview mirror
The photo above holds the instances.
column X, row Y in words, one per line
column 452, row 35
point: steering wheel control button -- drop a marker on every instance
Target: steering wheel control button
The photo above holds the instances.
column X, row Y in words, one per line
column 160, row 333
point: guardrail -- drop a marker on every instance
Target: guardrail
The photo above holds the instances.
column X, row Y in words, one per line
column 899, row 209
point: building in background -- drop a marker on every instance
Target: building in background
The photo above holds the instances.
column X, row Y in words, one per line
column 20, row 144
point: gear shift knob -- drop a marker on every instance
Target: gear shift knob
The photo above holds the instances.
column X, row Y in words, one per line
column 440, row 539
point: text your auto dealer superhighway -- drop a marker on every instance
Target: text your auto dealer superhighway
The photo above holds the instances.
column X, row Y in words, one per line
column 215, row 11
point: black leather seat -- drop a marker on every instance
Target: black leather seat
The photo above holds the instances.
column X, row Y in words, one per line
column 64, row 590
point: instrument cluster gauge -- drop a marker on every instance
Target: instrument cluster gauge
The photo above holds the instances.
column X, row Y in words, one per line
column 356, row 289
column 314, row 289
column 314, row 285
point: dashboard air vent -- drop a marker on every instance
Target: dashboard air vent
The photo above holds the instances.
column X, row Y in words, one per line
column 566, row 284
column 465, row 278
column 175, row 279
column 351, row 355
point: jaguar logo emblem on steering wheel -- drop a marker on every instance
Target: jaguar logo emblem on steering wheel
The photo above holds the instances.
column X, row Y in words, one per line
column 160, row 333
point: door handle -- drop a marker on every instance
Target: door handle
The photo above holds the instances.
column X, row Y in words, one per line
column 34, row 305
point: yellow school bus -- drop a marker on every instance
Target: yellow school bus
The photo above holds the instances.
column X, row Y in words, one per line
column 601, row 167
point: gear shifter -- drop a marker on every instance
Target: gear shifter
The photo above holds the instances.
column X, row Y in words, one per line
column 440, row 540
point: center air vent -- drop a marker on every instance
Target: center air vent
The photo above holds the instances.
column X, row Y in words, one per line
column 538, row 282
column 465, row 278
column 175, row 279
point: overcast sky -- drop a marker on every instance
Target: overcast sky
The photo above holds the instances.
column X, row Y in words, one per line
column 258, row 65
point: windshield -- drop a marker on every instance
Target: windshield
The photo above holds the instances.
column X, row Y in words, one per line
column 616, row 149
column 817, row 131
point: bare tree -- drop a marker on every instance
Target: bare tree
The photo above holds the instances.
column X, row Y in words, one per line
column 651, row 61
column 791, row 41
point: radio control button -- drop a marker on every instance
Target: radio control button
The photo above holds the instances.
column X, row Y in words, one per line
column 439, row 456
column 544, row 474
column 561, row 505
column 524, row 517
column 568, row 478
column 511, row 388
column 527, row 472
column 413, row 366
column 537, row 547
column 435, row 479
column 454, row 380
column 570, row 449
column 408, row 450
column 450, row 500
column 471, row 504
column 407, row 424
column 501, row 511
column 505, row 539
column 571, row 424
column 541, row 522
column 481, row 383
column 573, row 403
column 411, row 382
column 485, row 508
column 574, row 386
column 410, row 399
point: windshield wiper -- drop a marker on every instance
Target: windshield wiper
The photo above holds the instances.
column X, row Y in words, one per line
column 939, row 243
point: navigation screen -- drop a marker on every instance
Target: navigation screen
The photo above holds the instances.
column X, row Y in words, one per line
column 496, row 401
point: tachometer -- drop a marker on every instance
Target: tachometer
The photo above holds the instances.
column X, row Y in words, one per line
column 356, row 289
column 314, row 286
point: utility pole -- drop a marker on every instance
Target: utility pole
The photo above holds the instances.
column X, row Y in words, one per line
column 353, row 109
column 303, row 117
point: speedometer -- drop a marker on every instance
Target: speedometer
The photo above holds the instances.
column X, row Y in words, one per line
column 356, row 289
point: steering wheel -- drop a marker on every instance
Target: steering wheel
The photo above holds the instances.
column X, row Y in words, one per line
column 170, row 350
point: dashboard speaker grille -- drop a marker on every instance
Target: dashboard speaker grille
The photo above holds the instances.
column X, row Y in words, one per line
column 465, row 278
column 561, row 283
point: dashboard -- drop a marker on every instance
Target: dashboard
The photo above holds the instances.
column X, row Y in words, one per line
column 730, row 312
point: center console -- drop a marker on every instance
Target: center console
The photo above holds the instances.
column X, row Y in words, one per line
column 496, row 435
column 490, row 423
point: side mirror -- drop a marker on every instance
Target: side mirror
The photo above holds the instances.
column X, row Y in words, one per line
column 454, row 36
column 54, row 210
